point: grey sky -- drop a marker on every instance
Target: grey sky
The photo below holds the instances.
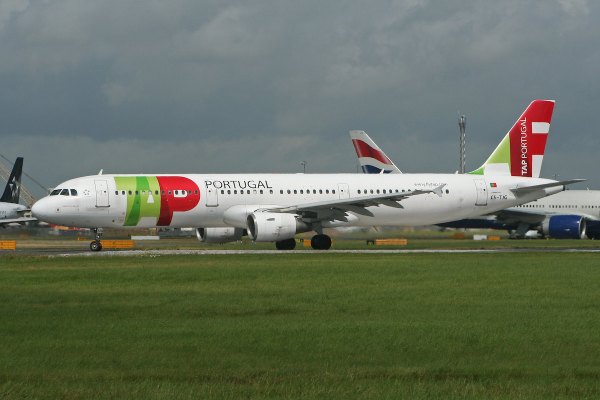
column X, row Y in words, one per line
column 258, row 86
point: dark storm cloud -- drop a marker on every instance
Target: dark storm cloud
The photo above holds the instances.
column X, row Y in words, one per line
column 221, row 86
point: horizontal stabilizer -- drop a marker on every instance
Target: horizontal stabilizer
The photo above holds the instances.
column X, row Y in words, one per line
column 526, row 189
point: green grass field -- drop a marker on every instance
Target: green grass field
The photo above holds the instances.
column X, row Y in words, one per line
column 314, row 326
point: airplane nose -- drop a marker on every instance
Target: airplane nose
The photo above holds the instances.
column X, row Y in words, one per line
column 40, row 209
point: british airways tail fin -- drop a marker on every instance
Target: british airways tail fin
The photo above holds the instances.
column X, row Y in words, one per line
column 521, row 151
column 371, row 158
column 13, row 184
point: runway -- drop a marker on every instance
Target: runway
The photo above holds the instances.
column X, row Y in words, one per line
column 134, row 253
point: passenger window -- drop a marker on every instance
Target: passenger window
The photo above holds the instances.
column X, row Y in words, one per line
column 222, row 191
column 358, row 191
column 326, row 191
column 301, row 191
column 130, row 192
column 261, row 191
column 320, row 191
column 314, row 191
column 333, row 191
column 289, row 192
column 116, row 192
column 123, row 192
column 295, row 191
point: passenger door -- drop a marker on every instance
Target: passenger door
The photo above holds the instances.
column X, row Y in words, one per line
column 481, row 192
column 212, row 196
column 102, row 193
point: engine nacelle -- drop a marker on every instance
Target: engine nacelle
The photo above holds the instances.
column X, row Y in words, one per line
column 592, row 229
column 219, row 235
column 272, row 227
column 564, row 227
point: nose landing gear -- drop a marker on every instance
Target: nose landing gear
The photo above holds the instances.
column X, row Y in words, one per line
column 96, row 245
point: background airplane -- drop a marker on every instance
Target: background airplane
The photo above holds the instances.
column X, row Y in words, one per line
column 10, row 210
column 275, row 207
column 570, row 214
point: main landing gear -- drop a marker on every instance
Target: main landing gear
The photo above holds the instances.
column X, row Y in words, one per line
column 318, row 242
column 288, row 244
column 96, row 245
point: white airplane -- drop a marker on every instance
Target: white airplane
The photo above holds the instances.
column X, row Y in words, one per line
column 275, row 207
column 11, row 212
column 571, row 214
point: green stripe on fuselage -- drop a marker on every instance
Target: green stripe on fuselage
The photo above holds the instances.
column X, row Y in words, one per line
column 144, row 200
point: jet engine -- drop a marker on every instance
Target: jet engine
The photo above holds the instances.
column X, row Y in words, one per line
column 592, row 229
column 219, row 235
column 564, row 227
column 273, row 227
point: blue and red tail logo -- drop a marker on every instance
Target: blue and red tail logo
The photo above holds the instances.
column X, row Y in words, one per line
column 371, row 158
column 372, row 161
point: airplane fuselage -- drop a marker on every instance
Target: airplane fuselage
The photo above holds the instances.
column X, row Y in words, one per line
column 580, row 202
column 11, row 210
column 221, row 200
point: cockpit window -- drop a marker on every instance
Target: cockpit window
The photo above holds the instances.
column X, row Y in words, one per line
column 64, row 192
column 55, row 192
column 73, row 192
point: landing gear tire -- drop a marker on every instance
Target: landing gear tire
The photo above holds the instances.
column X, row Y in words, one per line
column 96, row 245
column 288, row 244
column 320, row 242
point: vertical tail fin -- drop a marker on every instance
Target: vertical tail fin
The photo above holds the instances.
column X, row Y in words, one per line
column 371, row 158
column 13, row 185
column 521, row 151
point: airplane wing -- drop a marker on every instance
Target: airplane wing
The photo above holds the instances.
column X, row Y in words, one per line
column 519, row 216
column 336, row 209
column 17, row 220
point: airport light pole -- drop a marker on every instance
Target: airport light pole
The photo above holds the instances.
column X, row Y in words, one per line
column 462, row 126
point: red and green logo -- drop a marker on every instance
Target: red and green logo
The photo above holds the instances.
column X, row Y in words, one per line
column 156, row 197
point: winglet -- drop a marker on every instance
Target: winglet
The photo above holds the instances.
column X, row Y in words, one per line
column 439, row 190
